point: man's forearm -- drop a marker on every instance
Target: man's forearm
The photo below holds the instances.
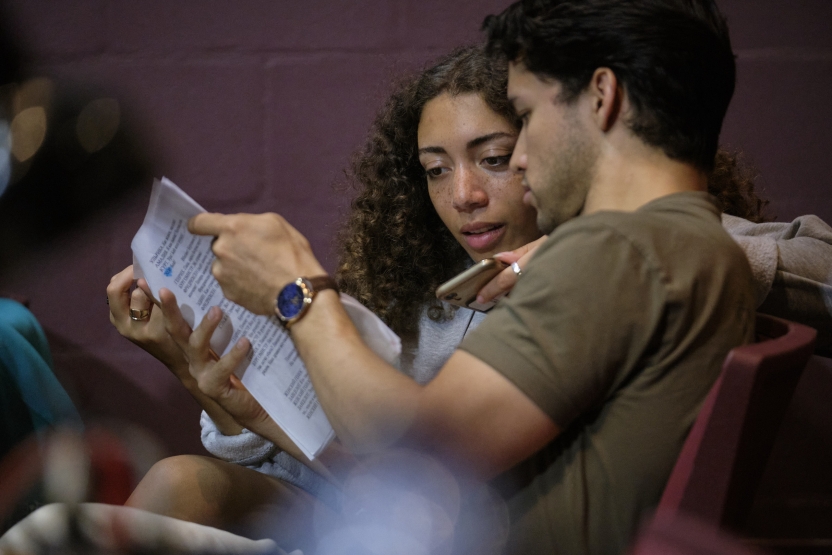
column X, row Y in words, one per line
column 461, row 417
column 368, row 402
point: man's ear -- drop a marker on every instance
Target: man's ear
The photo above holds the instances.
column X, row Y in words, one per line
column 606, row 97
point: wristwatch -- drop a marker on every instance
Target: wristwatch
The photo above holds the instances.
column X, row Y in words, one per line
column 294, row 299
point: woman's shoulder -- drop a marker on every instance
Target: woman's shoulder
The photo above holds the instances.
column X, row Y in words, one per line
column 431, row 344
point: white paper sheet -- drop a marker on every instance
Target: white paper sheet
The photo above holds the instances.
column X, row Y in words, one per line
column 167, row 255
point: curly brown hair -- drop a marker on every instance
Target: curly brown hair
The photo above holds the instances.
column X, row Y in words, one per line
column 732, row 183
column 394, row 250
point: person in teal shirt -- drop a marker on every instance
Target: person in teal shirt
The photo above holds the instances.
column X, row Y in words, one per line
column 33, row 399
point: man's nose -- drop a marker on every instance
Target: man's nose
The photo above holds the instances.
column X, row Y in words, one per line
column 518, row 156
column 469, row 193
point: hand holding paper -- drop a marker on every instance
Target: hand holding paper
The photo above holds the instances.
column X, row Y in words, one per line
column 149, row 334
column 259, row 255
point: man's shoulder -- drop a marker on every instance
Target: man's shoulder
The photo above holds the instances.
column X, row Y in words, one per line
column 687, row 209
column 674, row 241
column 681, row 220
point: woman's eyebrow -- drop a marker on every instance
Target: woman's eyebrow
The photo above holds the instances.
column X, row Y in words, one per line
column 471, row 144
column 432, row 150
column 491, row 136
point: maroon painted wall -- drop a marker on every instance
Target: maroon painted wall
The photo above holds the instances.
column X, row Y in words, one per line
column 780, row 116
column 256, row 106
column 250, row 107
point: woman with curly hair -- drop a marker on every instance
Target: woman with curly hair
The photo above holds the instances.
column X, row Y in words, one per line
column 434, row 194
column 395, row 247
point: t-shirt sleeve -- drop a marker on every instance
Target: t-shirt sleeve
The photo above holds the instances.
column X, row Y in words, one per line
column 577, row 323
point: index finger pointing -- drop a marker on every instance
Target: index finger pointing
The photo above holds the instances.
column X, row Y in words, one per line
column 206, row 224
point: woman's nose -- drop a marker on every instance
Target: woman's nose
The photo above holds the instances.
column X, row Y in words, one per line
column 469, row 193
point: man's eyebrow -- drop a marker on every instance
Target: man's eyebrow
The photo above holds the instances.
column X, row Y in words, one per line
column 490, row 137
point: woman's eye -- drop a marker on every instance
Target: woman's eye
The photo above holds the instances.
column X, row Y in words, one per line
column 496, row 161
column 434, row 172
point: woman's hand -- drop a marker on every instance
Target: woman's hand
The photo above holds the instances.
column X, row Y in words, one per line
column 151, row 334
column 148, row 333
column 214, row 378
column 507, row 279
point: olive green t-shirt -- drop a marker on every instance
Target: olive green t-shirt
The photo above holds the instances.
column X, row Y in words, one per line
column 617, row 329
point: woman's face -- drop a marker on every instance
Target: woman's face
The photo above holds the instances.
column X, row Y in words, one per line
column 465, row 148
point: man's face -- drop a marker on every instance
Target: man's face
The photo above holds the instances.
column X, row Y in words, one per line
column 555, row 151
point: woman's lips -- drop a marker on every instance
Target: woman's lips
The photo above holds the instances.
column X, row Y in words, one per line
column 483, row 238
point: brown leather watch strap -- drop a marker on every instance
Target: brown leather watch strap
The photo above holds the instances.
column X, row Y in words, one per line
column 319, row 283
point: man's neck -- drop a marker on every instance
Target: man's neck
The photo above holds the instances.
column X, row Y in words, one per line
column 630, row 174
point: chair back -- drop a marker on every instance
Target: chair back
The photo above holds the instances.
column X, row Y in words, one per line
column 723, row 458
column 685, row 535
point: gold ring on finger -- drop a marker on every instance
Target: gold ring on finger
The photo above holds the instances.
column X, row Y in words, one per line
column 139, row 314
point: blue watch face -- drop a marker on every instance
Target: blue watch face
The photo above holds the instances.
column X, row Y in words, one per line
column 290, row 300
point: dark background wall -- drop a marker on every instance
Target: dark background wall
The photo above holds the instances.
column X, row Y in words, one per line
column 256, row 105
column 250, row 107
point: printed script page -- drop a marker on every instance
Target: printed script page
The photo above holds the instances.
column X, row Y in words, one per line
column 167, row 255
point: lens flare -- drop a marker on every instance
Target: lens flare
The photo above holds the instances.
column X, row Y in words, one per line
column 28, row 131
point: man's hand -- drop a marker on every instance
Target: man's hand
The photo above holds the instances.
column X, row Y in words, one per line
column 256, row 256
column 507, row 279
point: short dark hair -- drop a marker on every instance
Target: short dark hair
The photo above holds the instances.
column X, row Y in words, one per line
column 673, row 57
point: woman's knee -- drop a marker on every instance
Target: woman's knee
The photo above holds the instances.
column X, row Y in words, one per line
column 174, row 473
column 184, row 486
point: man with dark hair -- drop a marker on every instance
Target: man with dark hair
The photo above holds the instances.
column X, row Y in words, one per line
column 575, row 394
column 673, row 58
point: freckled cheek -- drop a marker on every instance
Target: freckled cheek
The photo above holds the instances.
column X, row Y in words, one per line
column 442, row 202
column 504, row 190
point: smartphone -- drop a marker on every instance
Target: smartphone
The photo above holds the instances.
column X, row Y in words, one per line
column 461, row 290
